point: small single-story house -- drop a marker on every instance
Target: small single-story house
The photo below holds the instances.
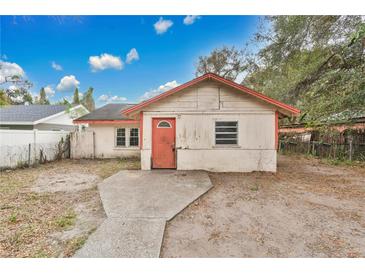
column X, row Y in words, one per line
column 41, row 117
column 208, row 123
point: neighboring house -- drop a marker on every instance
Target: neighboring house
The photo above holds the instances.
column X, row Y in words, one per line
column 41, row 117
column 209, row 123
column 114, row 132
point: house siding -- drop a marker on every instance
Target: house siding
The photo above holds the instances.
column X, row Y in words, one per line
column 196, row 110
column 105, row 142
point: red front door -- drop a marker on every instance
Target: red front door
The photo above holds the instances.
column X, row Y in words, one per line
column 163, row 143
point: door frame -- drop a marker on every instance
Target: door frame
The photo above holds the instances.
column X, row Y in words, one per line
column 152, row 146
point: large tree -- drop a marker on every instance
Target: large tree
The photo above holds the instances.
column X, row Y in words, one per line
column 226, row 62
column 76, row 98
column 15, row 90
column 88, row 100
column 313, row 62
column 42, row 99
column 4, row 99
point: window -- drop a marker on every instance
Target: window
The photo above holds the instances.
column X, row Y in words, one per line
column 120, row 137
column 164, row 124
column 133, row 137
column 226, row 133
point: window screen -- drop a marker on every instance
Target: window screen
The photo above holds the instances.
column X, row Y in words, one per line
column 133, row 137
column 120, row 137
column 226, row 133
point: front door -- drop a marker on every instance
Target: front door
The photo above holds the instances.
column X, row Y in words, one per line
column 163, row 143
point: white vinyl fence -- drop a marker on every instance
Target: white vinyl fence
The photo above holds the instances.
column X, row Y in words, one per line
column 82, row 144
column 27, row 147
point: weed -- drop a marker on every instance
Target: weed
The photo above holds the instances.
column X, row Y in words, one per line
column 40, row 254
column 13, row 218
column 66, row 221
column 73, row 245
column 254, row 188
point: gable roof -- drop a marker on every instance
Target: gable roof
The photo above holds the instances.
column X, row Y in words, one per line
column 220, row 79
column 28, row 114
column 109, row 112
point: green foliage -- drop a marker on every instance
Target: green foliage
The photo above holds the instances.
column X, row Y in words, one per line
column 226, row 62
column 66, row 221
column 19, row 96
column 88, row 100
column 315, row 63
column 42, row 100
column 4, row 99
column 76, row 99
column 13, row 218
column 15, row 91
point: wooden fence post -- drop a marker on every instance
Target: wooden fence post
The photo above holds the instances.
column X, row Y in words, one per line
column 350, row 152
column 29, row 149
column 35, row 146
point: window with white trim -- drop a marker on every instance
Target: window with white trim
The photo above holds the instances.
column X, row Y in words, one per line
column 133, row 137
column 120, row 137
column 226, row 133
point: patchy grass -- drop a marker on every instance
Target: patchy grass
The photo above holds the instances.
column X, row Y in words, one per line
column 33, row 224
column 307, row 209
column 327, row 161
column 66, row 220
column 74, row 244
column 254, row 188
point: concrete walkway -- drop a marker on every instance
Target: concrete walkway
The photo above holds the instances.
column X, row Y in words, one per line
column 138, row 204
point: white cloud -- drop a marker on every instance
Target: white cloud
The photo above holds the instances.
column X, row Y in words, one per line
column 111, row 99
column 152, row 93
column 103, row 98
column 81, row 95
column 8, row 69
column 56, row 66
column 190, row 19
column 49, row 91
column 68, row 83
column 105, row 61
column 118, row 99
column 132, row 55
column 161, row 26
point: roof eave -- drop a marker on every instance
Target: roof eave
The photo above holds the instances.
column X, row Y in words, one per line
column 16, row 123
column 105, row 121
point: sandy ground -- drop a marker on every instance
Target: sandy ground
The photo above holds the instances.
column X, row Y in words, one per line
column 50, row 210
column 306, row 209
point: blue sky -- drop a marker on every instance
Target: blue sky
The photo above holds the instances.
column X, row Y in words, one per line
column 92, row 51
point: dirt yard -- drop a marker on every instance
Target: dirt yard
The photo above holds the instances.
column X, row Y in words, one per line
column 306, row 209
column 50, row 210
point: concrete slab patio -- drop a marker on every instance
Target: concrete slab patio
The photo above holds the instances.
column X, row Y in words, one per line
column 138, row 204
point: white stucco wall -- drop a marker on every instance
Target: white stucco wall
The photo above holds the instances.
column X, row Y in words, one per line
column 105, row 146
column 196, row 111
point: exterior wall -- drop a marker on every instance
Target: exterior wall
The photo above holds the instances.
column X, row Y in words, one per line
column 82, row 144
column 47, row 126
column 18, row 127
column 196, row 111
column 105, row 142
column 225, row 160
